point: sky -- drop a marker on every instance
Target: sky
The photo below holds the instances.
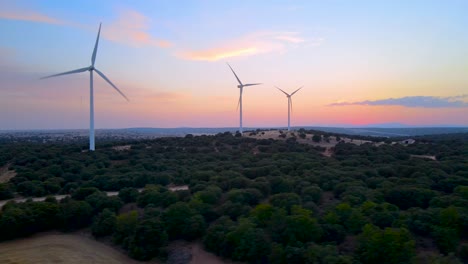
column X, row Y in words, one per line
column 360, row 62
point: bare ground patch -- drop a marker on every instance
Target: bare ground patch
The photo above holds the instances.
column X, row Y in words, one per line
column 424, row 157
column 6, row 174
column 55, row 247
column 122, row 148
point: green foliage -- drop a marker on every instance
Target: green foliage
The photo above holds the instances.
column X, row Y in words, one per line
column 5, row 191
column 157, row 196
column 104, row 223
column 446, row 238
column 210, row 195
column 128, row 195
column 125, row 227
column 215, row 238
column 74, row 214
column 148, row 239
column 301, row 227
column 285, row 200
column 385, row 246
column 247, row 242
column 263, row 201
column 84, row 192
column 181, row 221
column 316, row 138
column 17, row 220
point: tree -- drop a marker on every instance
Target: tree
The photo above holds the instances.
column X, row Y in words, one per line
column 158, row 196
column 183, row 222
column 74, row 214
column 301, row 227
column 215, row 238
column 248, row 243
column 446, row 238
column 385, row 246
column 84, row 192
column 104, row 223
column 316, row 138
column 261, row 214
column 5, row 191
column 128, row 195
column 125, row 227
column 285, row 200
column 149, row 237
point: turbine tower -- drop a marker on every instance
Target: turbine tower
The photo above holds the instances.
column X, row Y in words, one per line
column 241, row 88
column 289, row 104
column 91, row 69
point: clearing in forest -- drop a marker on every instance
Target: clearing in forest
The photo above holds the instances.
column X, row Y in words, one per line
column 6, row 174
column 60, row 248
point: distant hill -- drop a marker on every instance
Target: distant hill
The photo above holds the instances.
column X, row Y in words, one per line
column 149, row 132
column 363, row 131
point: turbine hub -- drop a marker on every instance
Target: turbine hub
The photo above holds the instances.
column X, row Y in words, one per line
column 91, row 68
column 240, row 86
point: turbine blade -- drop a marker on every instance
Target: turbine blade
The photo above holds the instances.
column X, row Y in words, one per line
column 93, row 58
column 68, row 72
column 235, row 74
column 107, row 80
column 282, row 91
column 252, row 84
column 297, row 90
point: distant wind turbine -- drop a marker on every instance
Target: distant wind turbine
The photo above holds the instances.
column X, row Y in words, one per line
column 289, row 104
column 91, row 91
column 241, row 87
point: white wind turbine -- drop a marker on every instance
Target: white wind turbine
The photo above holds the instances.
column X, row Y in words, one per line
column 91, row 92
column 241, row 87
column 289, row 104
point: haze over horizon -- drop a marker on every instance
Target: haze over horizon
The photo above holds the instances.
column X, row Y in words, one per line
column 360, row 62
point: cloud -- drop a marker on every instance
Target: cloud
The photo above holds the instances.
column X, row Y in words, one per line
column 13, row 13
column 131, row 27
column 249, row 45
column 414, row 101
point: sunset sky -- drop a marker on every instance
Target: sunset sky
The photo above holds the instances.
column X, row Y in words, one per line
column 360, row 62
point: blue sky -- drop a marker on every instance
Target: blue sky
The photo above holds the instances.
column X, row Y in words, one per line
column 169, row 59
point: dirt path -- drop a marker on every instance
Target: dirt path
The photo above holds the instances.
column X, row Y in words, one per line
column 60, row 197
column 55, row 247
column 424, row 157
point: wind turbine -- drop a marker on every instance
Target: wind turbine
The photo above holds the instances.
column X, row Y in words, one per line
column 91, row 69
column 289, row 104
column 241, row 87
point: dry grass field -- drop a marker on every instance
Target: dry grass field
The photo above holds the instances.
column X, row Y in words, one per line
column 59, row 248
column 55, row 247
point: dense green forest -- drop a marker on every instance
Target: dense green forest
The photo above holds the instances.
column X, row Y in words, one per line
column 256, row 201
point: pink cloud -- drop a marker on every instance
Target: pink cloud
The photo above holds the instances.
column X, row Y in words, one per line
column 25, row 15
column 249, row 45
column 131, row 27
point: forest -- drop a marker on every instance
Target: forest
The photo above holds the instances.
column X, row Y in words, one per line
column 249, row 200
